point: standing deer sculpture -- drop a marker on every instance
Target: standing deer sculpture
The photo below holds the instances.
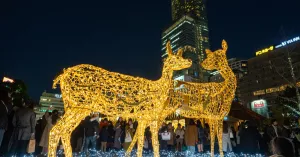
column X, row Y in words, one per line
column 86, row 88
column 214, row 99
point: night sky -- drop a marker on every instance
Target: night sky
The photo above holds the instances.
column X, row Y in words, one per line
column 40, row 38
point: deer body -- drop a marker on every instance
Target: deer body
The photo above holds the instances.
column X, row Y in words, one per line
column 87, row 88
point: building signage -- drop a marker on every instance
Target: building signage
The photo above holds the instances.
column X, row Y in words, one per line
column 284, row 43
column 260, row 107
column 264, row 50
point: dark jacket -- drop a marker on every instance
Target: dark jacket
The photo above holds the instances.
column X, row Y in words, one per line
column 104, row 134
column 249, row 139
column 91, row 127
column 5, row 109
column 286, row 132
column 271, row 132
column 111, row 133
column 24, row 124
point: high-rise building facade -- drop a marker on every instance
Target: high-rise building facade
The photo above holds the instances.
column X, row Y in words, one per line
column 182, row 34
column 190, row 32
column 195, row 9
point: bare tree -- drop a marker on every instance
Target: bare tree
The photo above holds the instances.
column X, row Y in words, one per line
column 292, row 79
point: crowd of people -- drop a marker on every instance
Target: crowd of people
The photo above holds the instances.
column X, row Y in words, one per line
column 18, row 126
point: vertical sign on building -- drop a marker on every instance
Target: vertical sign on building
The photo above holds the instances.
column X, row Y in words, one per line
column 260, row 107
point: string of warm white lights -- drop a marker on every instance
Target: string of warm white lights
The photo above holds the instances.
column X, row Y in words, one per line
column 212, row 101
column 87, row 88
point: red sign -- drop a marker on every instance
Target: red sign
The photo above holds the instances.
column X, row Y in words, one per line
column 259, row 104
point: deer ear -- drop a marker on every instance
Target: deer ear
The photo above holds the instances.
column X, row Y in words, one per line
column 224, row 45
column 169, row 48
column 208, row 51
column 179, row 52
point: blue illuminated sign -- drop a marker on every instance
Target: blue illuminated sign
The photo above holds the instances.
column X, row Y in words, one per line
column 284, row 43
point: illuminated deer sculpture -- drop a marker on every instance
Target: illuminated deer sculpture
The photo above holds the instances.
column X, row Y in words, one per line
column 86, row 88
column 213, row 100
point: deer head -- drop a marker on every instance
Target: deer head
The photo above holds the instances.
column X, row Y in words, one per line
column 217, row 59
column 175, row 61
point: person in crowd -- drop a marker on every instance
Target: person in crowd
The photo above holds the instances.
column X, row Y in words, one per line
column 103, row 123
column 111, row 136
column 51, row 121
column 233, row 138
column 148, row 139
column 238, row 138
column 288, row 133
column 226, row 138
column 24, row 128
column 263, row 146
column 206, row 142
column 79, row 136
column 191, row 136
column 91, row 126
column 286, row 129
column 5, row 110
column 179, row 134
column 163, row 143
column 249, row 138
column 171, row 141
column 104, row 134
column 131, row 125
column 129, row 133
column 118, row 134
column 200, row 136
column 282, row 147
column 273, row 130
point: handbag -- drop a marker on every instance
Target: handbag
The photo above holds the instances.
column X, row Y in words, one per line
column 231, row 135
column 166, row 136
column 128, row 137
column 31, row 146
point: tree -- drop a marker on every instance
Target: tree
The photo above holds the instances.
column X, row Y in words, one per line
column 291, row 96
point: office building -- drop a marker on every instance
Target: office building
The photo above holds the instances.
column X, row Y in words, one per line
column 269, row 72
column 196, row 9
column 50, row 101
column 193, row 8
column 239, row 68
column 182, row 34
column 189, row 31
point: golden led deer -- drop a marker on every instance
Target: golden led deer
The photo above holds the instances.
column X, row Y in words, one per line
column 87, row 88
column 214, row 99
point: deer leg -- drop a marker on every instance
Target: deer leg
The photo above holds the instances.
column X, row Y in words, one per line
column 72, row 122
column 132, row 144
column 55, row 133
column 53, row 140
column 141, row 137
column 212, row 137
column 154, row 131
column 219, row 126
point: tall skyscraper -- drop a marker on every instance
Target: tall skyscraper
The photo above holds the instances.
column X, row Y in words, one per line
column 195, row 9
column 189, row 31
column 182, row 34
